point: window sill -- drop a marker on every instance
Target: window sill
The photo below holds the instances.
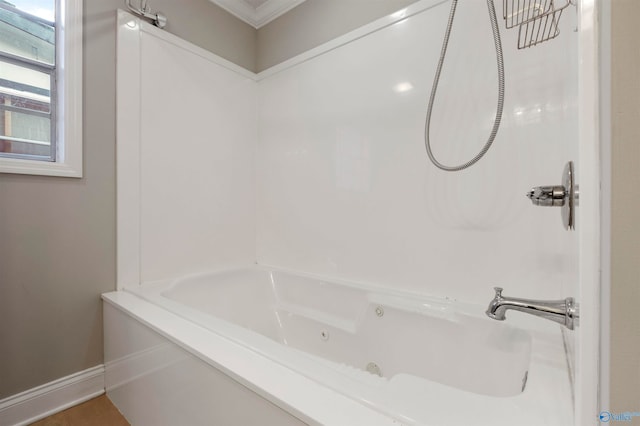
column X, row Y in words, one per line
column 33, row 167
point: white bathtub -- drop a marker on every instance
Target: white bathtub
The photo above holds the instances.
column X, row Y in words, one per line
column 383, row 357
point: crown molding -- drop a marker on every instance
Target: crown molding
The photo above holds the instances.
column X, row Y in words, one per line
column 257, row 17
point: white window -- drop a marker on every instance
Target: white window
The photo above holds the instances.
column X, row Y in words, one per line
column 41, row 87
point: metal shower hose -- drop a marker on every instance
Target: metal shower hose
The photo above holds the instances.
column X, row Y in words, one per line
column 496, row 123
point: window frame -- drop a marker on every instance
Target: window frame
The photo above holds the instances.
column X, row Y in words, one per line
column 68, row 105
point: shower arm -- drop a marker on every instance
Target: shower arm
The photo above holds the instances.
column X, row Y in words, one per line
column 158, row 19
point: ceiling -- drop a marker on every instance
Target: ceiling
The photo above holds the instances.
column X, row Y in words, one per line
column 257, row 12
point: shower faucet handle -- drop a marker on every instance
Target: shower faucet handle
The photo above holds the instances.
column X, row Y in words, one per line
column 551, row 196
column 565, row 196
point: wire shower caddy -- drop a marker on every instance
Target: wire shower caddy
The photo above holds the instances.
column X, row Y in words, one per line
column 537, row 20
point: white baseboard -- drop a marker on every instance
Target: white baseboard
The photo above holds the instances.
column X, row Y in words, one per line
column 50, row 398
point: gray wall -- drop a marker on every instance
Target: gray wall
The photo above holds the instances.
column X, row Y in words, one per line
column 315, row 22
column 57, row 235
column 210, row 27
column 625, row 208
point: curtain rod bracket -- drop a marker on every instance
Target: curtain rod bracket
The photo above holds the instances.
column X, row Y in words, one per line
column 144, row 11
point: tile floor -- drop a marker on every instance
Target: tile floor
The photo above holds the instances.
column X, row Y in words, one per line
column 95, row 412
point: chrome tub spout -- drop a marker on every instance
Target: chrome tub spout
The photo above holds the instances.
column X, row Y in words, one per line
column 563, row 312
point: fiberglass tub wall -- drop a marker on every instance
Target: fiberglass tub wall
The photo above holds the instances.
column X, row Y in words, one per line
column 344, row 185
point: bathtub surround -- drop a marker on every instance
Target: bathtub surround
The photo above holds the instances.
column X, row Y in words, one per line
column 186, row 192
column 345, row 188
column 342, row 186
